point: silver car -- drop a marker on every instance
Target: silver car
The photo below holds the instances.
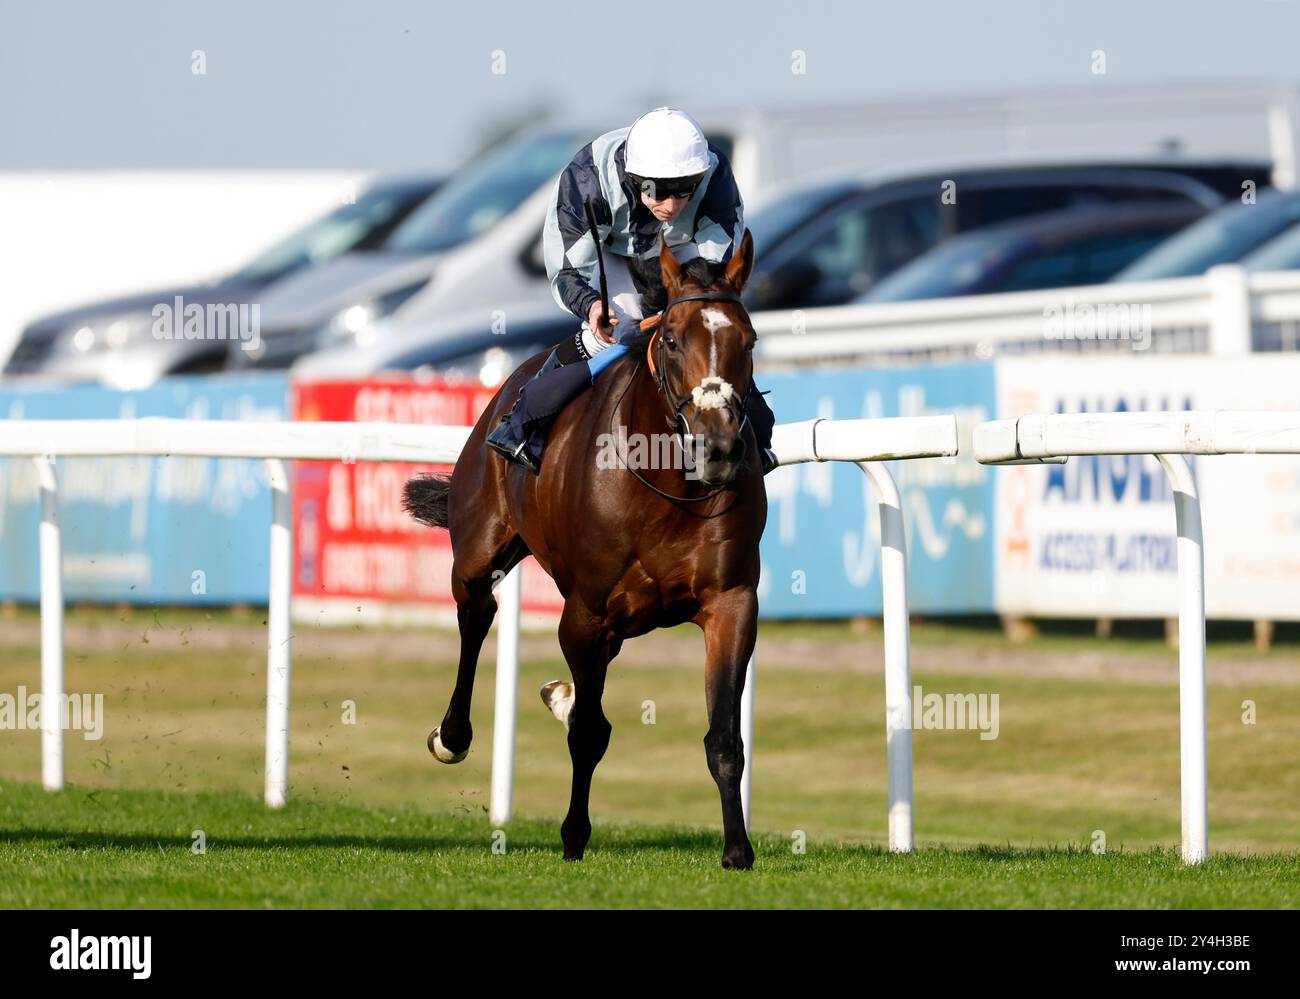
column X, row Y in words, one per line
column 349, row 300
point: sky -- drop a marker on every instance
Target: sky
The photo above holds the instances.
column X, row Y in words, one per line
column 404, row 85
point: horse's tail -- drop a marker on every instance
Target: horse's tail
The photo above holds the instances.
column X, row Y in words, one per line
column 425, row 498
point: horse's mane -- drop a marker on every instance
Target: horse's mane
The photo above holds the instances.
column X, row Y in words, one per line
column 649, row 279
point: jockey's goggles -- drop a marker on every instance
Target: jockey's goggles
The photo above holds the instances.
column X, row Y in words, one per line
column 661, row 188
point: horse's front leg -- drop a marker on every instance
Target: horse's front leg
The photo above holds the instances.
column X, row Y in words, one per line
column 730, row 623
column 588, row 650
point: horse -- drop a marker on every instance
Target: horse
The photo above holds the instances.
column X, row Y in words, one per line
column 630, row 550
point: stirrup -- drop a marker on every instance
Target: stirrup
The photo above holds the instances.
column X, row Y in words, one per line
column 503, row 442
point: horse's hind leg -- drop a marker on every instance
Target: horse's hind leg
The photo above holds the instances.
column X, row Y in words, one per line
column 494, row 551
column 588, row 650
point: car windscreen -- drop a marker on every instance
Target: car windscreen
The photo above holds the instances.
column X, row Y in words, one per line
column 338, row 232
column 1090, row 260
column 949, row 270
column 483, row 193
column 1281, row 253
column 1223, row 237
column 772, row 221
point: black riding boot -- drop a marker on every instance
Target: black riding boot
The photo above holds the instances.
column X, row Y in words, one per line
column 521, row 435
column 762, row 419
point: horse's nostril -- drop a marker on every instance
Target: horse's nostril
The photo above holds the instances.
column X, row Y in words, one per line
column 723, row 449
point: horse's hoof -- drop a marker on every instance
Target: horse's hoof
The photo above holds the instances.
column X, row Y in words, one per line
column 738, row 860
column 558, row 696
column 441, row 753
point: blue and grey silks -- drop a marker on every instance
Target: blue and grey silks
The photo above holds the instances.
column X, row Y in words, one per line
column 710, row 226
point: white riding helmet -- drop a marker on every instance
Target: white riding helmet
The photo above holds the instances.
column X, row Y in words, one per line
column 666, row 143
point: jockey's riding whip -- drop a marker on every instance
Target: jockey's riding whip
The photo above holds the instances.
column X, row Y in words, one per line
column 600, row 257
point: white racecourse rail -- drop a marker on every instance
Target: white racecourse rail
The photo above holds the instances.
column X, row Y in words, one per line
column 274, row 443
column 1168, row 436
column 1227, row 311
column 865, row 442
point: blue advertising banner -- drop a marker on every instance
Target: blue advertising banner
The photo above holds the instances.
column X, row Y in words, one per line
column 168, row 530
column 821, row 547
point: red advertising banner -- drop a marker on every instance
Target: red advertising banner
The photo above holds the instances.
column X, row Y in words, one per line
column 353, row 542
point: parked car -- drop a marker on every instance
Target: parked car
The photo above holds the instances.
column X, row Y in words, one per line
column 1077, row 246
column 469, row 345
column 1222, row 237
column 827, row 245
column 113, row 340
column 356, row 296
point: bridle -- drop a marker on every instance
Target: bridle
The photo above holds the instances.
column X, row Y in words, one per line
column 678, row 422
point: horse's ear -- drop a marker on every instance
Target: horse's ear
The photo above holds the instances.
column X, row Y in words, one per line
column 670, row 269
column 741, row 262
column 650, row 323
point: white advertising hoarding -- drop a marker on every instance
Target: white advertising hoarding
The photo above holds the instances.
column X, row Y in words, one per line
column 1095, row 537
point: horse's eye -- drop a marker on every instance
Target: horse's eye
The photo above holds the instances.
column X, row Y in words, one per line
column 670, row 342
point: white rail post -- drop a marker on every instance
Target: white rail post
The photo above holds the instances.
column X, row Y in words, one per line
column 898, row 668
column 51, row 545
column 503, row 725
column 1191, row 660
column 278, row 660
column 747, row 735
column 1230, row 310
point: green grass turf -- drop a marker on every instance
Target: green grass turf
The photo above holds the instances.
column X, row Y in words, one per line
column 374, row 821
column 133, row 848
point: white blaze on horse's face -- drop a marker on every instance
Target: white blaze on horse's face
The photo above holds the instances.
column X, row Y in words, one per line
column 712, row 414
column 714, row 320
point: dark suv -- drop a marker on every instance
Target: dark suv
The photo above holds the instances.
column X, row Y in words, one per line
column 826, row 244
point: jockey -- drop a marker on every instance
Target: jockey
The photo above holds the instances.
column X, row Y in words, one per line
column 660, row 177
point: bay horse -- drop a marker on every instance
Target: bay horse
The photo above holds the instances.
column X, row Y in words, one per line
column 630, row 550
